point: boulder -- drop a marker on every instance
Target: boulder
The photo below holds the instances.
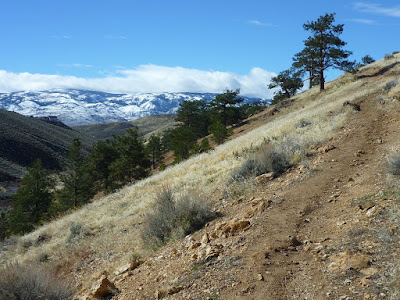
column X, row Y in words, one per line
column 103, row 287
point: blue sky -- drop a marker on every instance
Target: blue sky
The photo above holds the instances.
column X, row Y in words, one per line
column 152, row 46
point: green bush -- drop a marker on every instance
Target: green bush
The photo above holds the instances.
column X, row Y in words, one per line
column 30, row 283
column 394, row 164
column 174, row 217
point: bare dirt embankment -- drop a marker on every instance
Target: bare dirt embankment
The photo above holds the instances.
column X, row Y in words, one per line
column 322, row 231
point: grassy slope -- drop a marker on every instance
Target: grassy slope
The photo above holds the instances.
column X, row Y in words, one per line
column 111, row 225
column 24, row 139
column 146, row 125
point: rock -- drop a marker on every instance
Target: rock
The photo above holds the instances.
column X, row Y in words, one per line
column 102, row 287
column 256, row 208
column 128, row 267
column 260, row 277
column 264, row 178
column 164, row 292
column 175, row 290
column 234, row 226
column 367, row 205
column 205, row 239
column 196, row 245
column 350, row 259
column 325, row 149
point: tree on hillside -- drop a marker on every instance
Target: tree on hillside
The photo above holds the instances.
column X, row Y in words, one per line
column 31, row 202
column 132, row 162
column 288, row 82
column 3, row 225
column 324, row 47
column 154, row 149
column 219, row 131
column 366, row 60
column 78, row 183
column 194, row 115
column 305, row 62
column 99, row 161
column 225, row 107
column 181, row 140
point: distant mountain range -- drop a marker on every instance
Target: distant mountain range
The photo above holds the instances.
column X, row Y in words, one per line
column 79, row 107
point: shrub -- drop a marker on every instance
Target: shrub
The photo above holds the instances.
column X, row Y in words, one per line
column 267, row 159
column 30, row 283
column 174, row 218
column 394, row 164
column 390, row 85
column 389, row 56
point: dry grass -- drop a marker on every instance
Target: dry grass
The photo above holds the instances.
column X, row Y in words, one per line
column 112, row 224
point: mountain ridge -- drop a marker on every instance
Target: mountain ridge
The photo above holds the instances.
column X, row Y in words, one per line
column 76, row 107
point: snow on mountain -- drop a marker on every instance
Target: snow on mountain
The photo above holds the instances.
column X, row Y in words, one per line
column 79, row 107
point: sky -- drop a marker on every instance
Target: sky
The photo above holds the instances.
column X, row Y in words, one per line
column 132, row 46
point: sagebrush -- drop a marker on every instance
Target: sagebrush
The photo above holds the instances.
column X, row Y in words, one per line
column 32, row 282
column 174, row 217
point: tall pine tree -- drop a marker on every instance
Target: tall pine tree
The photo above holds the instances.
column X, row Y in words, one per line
column 323, row 49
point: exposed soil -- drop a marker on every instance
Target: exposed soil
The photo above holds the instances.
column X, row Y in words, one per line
column 323, row 230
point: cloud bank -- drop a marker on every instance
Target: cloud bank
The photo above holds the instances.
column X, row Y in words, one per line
column 377, row 8
column 145, row 79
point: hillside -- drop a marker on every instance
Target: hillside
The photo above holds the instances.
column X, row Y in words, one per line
column 147, row 125
column 327, row 228
column 81, row 107
column 24, row 139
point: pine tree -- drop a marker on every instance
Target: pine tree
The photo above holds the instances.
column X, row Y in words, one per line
column 225, row 107
column 78, row 184
column 182, row 140
column 219, row 131
column 194, row 115
column 3, row 225
column 103, row 154
column 288, row 82
column 31, row 202
column 323, row 48
column 154, row 149
column 132, row 162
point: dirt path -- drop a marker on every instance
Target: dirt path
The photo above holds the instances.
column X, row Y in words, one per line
column 318, row 232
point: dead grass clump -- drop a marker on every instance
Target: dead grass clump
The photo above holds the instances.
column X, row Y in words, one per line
column 174, row 217
column 32, row 282
column 394, row 164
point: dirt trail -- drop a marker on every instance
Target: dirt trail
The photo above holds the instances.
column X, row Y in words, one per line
column 312, row 235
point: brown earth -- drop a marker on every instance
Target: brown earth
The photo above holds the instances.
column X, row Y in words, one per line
column 323, row 230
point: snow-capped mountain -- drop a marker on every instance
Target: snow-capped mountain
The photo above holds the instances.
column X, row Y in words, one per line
column 79, row 107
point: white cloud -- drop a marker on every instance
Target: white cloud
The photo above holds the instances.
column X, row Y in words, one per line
column 363, row 21
column 115, row 37
column 258, row 23
column 147, row 78
column 60, row 37
column 377, row 9
column 75, row 65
